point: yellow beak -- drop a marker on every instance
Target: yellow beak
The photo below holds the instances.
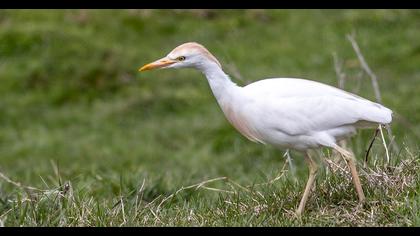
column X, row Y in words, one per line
column 158, row 64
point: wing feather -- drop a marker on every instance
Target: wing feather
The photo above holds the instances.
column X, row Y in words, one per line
column 297, row 106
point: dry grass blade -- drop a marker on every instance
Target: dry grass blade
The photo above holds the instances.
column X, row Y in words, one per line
column 366, row 67
column 289, row 160
column 279, row 176
column 196, row 186
column 341, row 76
column 384, row 143
column 17, row 184
column 334, row 167
column 374, row 80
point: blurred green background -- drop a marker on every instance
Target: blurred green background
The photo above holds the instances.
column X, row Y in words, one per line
column 71, row 95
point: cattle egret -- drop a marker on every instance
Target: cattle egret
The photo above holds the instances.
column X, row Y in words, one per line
column 288, row 113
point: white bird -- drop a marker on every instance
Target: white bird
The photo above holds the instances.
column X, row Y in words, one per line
column 289, row 113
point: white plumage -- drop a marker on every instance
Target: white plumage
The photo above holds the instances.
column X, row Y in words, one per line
column 284, row 112
column 302, row 114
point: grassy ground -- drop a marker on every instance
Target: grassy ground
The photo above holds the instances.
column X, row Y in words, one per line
column 87, row 140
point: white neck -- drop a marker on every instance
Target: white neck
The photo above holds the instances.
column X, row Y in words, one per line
column 221, row 85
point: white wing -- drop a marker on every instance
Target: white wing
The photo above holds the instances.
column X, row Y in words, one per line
column 298, row 106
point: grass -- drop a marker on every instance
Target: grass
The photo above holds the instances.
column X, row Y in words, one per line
column 99, row 144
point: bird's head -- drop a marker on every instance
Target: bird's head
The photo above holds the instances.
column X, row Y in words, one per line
column 187, row 55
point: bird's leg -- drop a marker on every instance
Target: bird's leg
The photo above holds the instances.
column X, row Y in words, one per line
column 337, row 156
column 313, row 167
column 350, row 159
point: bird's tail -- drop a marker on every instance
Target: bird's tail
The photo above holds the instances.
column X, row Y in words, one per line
column 378, row 114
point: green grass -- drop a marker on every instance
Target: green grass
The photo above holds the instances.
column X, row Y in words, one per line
column 105, row 145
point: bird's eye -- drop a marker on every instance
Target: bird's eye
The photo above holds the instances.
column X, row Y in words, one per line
column 181, row 58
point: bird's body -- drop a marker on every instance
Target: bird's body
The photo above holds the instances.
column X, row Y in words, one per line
column 284, row 112
column 296, row 113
